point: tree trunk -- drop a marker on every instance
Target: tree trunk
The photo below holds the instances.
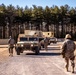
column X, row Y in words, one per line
column 4, row 32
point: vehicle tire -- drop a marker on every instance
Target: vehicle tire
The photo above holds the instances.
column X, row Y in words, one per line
column 21, row 50
column 36, row 50
column 18, row 51
column 55, row 42
column 40, row 48
column 42, row 45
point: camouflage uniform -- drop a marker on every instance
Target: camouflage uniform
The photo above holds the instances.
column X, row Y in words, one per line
column 46, row 41
column 68, row 49
column 42, row 43
column 11, row 43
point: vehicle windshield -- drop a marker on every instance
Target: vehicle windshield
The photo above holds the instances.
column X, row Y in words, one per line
column 52, row 38
column 33, row 39
column 23, row 39
column 41, row 39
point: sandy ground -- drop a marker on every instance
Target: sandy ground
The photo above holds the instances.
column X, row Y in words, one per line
column 3, row 54
column 47, row 63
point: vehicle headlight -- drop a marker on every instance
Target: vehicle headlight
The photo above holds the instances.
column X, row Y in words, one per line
column 56, row 39
column 18, row 44
column 31, row 44
column 35, row 44
column 21, row 45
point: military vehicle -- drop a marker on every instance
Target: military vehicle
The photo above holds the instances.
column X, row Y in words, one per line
column 50, row 36
column 30, row 40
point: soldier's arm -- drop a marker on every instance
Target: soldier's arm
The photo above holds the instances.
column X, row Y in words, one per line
column 74, row 46
column 63, row 48
column 8, row 41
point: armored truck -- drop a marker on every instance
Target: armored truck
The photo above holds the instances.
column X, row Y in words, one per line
column 50, row 36
column 30, row 40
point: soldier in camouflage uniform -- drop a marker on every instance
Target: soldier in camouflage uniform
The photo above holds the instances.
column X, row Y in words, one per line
column 11, row 43
column 68, row 49
column 46, row 41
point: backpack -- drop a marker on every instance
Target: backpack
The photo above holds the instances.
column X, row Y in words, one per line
column 70, row 45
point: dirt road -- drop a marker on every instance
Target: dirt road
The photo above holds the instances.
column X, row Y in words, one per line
column 3, row 54
column 46, row 63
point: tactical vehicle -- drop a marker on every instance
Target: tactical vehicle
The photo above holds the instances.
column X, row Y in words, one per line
column 50, row 36
column 30, row 40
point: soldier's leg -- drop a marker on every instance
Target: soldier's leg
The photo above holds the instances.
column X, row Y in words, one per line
column 46, row 47
column 72, row 64
column 67, row 64
column 11, row 51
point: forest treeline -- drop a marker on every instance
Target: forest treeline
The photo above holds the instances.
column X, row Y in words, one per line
column 61, row 20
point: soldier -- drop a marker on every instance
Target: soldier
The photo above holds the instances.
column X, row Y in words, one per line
column 46, row 41
column 11, row 43
column 68, row 49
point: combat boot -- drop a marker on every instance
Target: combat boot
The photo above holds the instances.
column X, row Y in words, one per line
column 66, row 67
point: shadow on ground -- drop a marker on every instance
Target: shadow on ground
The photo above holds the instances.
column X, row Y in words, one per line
column 44, row 54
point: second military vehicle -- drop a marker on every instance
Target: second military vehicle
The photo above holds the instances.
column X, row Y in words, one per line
column 50, row 36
